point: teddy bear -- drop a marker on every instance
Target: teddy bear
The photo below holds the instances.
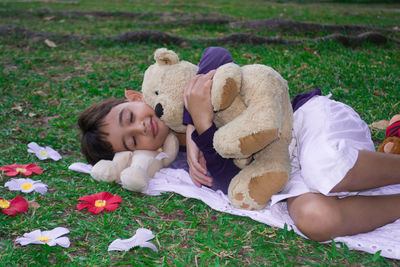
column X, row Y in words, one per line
column 133, row 169
column 392, row 142
column 253, row 114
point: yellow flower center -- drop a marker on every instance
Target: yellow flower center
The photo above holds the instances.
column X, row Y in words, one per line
column 43, row 239
column 20, row 170
column 43, row 153
column 4, row 204
column 100, row 203
column 26, row 186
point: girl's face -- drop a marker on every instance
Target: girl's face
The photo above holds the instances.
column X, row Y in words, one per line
column 134, row 125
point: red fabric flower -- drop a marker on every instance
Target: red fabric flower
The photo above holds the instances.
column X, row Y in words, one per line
column 12, row 207
column 25, row 169
column 98, row 202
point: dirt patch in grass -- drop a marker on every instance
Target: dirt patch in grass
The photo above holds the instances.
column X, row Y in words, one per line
column 236, row 38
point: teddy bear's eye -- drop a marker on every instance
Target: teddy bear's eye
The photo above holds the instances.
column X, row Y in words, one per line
column 156, row 92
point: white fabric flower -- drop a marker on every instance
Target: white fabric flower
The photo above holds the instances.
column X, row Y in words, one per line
column 139, row 239
column 81, row 167
column 26, row 185
column 50, row 238
column 43, row 153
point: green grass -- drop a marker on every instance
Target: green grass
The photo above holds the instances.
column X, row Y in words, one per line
column 53, row 85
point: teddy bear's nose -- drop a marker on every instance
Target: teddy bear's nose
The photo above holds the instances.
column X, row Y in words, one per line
column 159, row 110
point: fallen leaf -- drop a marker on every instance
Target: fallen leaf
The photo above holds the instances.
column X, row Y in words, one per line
column 46, row 119
column 31, row 114
column 41, row 93
column 84, row 41
column 251, row 56
column 54, row 102
column 17, row 107
column 17, row 129
column 48, row 18
column 33, row 204
column 380, row 125
column 185, row 44
column 50, row 43
column 378, row 93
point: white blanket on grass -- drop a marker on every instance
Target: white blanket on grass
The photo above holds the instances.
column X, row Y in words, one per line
column 385, row 239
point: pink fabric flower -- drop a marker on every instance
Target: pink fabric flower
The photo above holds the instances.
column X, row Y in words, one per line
column 12, row 207
column 25, row 169
column 98, row 202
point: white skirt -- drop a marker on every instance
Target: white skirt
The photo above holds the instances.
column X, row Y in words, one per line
column 327, row 136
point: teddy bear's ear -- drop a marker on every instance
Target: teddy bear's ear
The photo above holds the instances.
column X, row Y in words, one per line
column 164, row 56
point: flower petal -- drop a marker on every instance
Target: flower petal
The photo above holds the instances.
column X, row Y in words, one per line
column 82, row 206
column 18, row 204
column 10, row 169
column 81, row 167
column 111, row 207
column 149, row 245
column 29, row 238
column 13, row 185
column 54, row 155
column 88, row 198
column 33, row 147
column 121, row 244
column 34, row 168
column 40, row 188
column 12, row 173
column 56, row 232
column 139, row 239
column 95, row 210
column 63, row 241
column 114, row 199
column 103, row 195
column 143, row 234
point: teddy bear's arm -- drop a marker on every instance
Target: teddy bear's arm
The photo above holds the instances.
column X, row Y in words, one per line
column 265, row 94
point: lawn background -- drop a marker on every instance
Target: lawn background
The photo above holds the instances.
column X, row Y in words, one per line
column 43, row 89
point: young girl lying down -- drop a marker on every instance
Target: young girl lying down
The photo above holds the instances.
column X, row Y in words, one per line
column 332, row 155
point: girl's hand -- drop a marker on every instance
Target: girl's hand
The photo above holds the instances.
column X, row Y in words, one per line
column 197, row 97
column 196, row 161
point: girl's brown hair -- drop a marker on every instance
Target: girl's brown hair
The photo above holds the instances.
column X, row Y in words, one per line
column 94, row 145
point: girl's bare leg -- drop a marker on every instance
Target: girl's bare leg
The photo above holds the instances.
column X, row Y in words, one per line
column 321, row 217
column 371, row 170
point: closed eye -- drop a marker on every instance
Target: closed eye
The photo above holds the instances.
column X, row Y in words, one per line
column 134, row 141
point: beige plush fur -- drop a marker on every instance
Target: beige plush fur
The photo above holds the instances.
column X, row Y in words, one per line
column 134, row 169
column 253, row 113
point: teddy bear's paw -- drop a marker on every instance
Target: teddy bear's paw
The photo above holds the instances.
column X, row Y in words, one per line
column 223, row 93
column 227, row 81
column 255, row 142
column 254, row 193
column 134, row 179
column 106, row 171
column 235, row 145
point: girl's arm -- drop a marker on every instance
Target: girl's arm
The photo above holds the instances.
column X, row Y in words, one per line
column 212, row 58
column 197, row 98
